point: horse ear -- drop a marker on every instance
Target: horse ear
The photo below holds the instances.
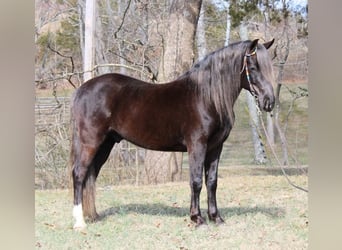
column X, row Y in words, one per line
column 253, row 45
column 269, row 44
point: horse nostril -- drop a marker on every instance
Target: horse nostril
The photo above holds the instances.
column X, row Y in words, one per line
column 266, row 104
column 272, row 105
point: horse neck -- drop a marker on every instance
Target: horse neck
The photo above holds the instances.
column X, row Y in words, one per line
column 217, row 79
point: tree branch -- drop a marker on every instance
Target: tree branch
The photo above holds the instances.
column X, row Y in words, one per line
column 123, row 20
column 69, row 75
column 72, row 63
column 152, row 76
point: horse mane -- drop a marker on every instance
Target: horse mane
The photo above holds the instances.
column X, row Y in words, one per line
column 217, row 76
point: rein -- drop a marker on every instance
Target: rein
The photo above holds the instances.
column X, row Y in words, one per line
column 253, row 92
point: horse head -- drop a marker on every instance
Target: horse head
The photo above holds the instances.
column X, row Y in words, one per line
column 257, row 74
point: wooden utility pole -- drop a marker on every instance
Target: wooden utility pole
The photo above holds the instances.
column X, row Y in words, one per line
column 89, row 48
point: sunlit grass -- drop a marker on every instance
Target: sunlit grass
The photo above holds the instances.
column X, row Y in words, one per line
column 261, row 212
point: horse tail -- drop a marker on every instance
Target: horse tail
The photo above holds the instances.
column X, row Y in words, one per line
column 72, row 155
column 88, row 202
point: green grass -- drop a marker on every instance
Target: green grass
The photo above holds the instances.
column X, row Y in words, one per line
column 261, row 212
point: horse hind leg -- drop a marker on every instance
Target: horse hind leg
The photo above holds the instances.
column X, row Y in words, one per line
column 89, row 189
column 88, row 161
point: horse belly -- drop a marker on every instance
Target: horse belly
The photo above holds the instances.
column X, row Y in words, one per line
column 155, row 134
column 156, row 141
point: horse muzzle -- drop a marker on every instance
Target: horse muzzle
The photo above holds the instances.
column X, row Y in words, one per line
column 266, row 102
column 265, row 98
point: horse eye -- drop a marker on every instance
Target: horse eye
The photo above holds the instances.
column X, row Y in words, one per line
column 253, row 68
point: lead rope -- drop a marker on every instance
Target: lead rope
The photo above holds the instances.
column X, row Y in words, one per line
column 275, row 155
column 245, row 67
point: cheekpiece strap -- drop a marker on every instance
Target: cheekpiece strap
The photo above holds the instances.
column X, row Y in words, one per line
column 245, row 66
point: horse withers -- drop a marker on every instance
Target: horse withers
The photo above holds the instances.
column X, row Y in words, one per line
column 193, row 113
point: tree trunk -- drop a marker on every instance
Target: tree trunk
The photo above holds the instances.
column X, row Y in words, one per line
column 259, row 149
column 100, row 47
column 226, row 42
column 277, row 122
column 200, row 35
column 178, row 56
column 269, row 115
column 81, row 15
column 270, row 128
column 121, row 44
column 283, row 54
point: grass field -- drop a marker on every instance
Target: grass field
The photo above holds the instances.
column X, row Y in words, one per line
column 261, row 212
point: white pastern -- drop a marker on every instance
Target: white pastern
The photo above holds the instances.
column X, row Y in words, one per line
column 77, row 212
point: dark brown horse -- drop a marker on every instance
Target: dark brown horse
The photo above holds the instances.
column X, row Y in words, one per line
column 193, row 113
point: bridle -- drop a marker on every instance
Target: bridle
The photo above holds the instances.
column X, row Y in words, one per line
column 245, row 67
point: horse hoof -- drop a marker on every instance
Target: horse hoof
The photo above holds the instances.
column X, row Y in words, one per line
column 219, row 221
column 92, row 218
column 216, row 219
column 200, row 222
column 202, row 226
column 80, row 226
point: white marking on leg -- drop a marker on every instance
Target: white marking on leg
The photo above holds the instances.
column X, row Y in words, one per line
column 78, row 215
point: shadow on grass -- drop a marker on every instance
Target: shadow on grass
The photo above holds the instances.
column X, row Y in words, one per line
column 262, row 171
column 159, row 209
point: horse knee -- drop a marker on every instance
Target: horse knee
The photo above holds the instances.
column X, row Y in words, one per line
column 212, row 184
column 196, row 184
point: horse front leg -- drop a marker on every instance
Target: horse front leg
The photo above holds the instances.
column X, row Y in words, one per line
column 211, row 170
column 196, row 162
